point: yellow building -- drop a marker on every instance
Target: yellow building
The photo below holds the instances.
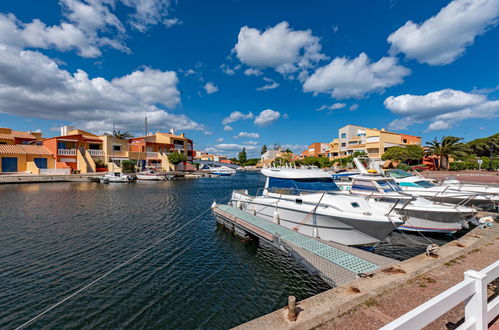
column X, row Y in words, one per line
column 115, row 152
column 32, row 159
column 374, row 142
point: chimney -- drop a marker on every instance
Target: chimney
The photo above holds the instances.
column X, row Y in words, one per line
column 65, row 129
column 383, row 129
column 172, row 131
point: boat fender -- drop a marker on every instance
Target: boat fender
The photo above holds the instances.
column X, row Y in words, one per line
column 239, row 205
column 276, row 217
column 254, row 210
column 214, row 205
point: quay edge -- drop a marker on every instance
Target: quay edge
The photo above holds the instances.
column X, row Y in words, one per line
column 337, row 302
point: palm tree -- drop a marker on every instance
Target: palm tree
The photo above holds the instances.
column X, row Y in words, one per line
column 448, row 146
column 123, row 136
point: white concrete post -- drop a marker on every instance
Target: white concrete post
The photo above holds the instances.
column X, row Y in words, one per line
column 476, row 307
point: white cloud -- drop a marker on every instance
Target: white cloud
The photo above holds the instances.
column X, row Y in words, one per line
column 332, row 107
column 235, row 116
column 278, row 47
column 247, row 135
column 444, row 108
column 345, row 78
column 208, row 133
column 210, row 88
column 271, row 85
column 267, row 117
column 227, row 128
column 295, row 148
column 227, row 70
column 33, row 85
column 147, row 12
column 253, row 143
column 230, row 147
column 353, row 107
column 169, row 22
column 220, row 140
column 444, row 37
column 252, row 72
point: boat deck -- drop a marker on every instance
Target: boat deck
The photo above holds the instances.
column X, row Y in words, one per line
column 335, row 263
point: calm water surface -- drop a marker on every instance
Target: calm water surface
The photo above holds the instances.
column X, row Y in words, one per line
column 57, row 237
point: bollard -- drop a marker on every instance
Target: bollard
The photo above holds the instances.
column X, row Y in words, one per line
column 292, row 308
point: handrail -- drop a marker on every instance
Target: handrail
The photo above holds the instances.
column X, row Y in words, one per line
column 472, row 291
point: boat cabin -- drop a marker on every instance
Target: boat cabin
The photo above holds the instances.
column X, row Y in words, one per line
column 289, row 181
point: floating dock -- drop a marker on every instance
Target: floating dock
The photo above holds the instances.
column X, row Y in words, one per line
column 335, row 263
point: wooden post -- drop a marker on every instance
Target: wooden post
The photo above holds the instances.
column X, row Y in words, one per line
column 292, row 308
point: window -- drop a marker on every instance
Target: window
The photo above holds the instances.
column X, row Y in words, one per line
column 389, row 185
column 343, row 144
column 398, row 174
column 116, row 147
column 343, row 135
column 3, row 142
column 404, row 140
column 355, row 204
column 295, row 186
column 364, row 185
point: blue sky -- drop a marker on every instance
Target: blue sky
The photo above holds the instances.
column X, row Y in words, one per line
column 289, row 72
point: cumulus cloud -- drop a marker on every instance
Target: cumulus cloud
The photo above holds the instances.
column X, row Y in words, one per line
column 253, row 143
column 227, row 128
column 231, row 148
column 278, row 47
column 220, row 140
column 169, row 22
column 355, row 78
column 210, row 88
column 252, row 72
column 32, row 84
column 443, row 108
column 236, row 116
column 267, row 117
column 444, row 37
column 332, row 107
column 353, row 107
column 147, row 12
column 247, row 135
column 271, row 85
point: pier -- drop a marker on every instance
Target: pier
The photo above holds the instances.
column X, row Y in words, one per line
column 335, row 263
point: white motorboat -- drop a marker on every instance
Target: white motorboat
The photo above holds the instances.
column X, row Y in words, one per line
column 115, row 177
column 152, row 175
column 423, row 215
column 417, row 186
column 480, row 188
column 306, row 200
column 218, row 170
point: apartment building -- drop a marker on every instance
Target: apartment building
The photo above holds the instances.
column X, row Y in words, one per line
column 374, row 142
column 19, row 152
column 316, row 149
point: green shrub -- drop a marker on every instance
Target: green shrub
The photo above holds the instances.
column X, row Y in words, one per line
column 128, row 166
column 403, row 167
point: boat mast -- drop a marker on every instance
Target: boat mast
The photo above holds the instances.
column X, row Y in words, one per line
column 112, row 154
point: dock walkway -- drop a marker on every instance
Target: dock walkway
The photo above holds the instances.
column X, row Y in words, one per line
column 335, row 263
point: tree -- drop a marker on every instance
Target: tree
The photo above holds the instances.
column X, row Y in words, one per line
column 242, row 156
column 251, row 162
column 264, row 149
column 122, row 135
column 360, row 153
column 128, row 166
column 448, row 146
column 288, row 151
column 176, row 158
column 414, row 153
column 396, row 154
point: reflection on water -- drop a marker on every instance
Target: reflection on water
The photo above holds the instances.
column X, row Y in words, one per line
column 56, row 237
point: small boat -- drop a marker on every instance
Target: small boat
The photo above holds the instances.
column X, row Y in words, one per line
column 151, row 175
column 115, row 177
column 218, row 170
column 481, row 188
column 423, row 215
column 306, row 200
column 418, row 186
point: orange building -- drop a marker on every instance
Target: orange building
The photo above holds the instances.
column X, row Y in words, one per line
column 316, row 149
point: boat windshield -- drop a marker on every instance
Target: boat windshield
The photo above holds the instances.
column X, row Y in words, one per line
column 389, row 185
column 425, row 184
column 398, row 174
column 295, row 186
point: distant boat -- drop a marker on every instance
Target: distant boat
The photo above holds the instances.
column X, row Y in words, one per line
column 218, row 170
column 153, row 175
column 115, row 177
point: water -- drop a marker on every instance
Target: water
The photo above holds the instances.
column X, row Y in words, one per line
column 57, row 237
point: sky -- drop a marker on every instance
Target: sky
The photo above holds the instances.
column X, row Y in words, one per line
column 233, row 74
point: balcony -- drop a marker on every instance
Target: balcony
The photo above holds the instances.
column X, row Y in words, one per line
column 96, row 153
column 66, row 152
column 153, row 155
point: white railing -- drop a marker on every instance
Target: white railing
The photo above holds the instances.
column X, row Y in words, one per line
column 150, row 154
column 472, row 291
column 96, row 153
column 66, row 152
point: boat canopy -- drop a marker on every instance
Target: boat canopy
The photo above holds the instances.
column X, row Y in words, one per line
column 369, row 185
column 297, row 186
column 292, row 173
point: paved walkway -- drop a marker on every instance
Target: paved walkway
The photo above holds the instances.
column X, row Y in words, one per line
column 378, row 311
column 465, row 176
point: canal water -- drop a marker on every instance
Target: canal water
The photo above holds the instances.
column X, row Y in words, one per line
column 57, row 237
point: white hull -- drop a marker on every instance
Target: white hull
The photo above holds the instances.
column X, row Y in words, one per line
column 329, row 224
column 151, row 177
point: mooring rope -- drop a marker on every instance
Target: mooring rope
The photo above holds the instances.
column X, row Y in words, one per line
column 113, row 270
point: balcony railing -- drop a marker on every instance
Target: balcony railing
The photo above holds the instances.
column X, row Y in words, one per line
column 66, row 152
column 150, row 154
column 96, row 153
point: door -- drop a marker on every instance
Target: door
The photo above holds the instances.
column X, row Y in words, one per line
column 9, row 164
column 41, row 162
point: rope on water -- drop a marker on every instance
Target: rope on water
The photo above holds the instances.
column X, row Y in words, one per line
column 111, row 271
